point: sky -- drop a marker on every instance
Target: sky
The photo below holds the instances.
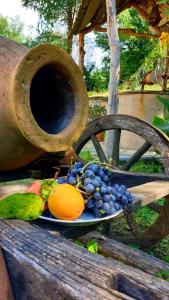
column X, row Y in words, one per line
column 12, row 8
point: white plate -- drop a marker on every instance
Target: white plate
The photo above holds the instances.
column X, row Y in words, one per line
column 87, row 218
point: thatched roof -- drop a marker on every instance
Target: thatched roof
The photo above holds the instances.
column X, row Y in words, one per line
column 92, row 13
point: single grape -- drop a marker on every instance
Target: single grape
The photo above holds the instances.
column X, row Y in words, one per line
column 97, row 196
column 124, row 200
column 109, row 189
column 72, row 180
column 79, row 171
column 101, row 173
column 128, row 195
column 123, row 187
column 87, row 181
column 106, row 198
column 117, row 206
column 103, row 190
column 112, row 210
column 74, row 171
column 99, row 204
column 89, row 173
column 105, row 178
column 61, row 180
column 106, row 207
column 130, row 200
column 93, row 167
column 97, row 213
column 116, row 186
column 112, row 198
column 78, row 165
column 83, row 176
column 98, row 178
column 89, row 188
column 90, row 203
column 96, row 182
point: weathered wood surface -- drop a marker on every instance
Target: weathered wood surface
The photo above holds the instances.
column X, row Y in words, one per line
column 149, row 192
column 6, row 190
column 132, row 257
column 43, row 266
column 5, row 285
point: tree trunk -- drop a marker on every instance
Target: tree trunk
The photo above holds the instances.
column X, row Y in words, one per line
column 69, row 26
column 81, row 51
column 112, row 31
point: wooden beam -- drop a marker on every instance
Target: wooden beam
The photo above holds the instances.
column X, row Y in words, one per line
column 81, row 51
column 145, row 16
column 131, row 32
column 94, row 26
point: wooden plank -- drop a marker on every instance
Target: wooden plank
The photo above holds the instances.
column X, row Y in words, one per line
column 5, row 285
column 149, row 192
column 132, row 257
column 12, row 188
column 47, row 267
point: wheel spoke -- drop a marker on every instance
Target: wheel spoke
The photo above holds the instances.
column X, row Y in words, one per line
column 116, row 147
column 98, row 149
column 136, row 156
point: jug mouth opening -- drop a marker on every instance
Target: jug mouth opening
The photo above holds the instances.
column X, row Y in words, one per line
column 51, row 99
column 48, row 98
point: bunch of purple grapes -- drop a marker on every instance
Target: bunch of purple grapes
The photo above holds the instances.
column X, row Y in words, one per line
column 102, row 196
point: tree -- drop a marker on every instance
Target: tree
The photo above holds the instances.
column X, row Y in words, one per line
column 47, row 37
column 51, row 11
column 12, row 28
column 134, row 50
column 114, row 45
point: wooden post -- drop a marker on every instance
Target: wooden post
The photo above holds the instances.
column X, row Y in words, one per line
column 81, row 51
column 112, row 31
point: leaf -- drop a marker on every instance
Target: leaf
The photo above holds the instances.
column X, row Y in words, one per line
column 166, row 258
column 92, row 246
column 133, row 245
column 162, row 124
column 79, row 243
column 164, row 101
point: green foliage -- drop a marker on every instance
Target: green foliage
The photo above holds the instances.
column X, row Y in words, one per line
column 137, row 54
column 148, row 166
column 163, row 123
column 163, row 274
column 91, row 246
column 86, row 155
column 48, row 37
column 96, row 79
column 97, row 111
column 52, row 11
column 12, row 28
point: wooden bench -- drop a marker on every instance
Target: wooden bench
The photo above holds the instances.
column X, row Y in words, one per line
column 42, row 263
column 46, row 266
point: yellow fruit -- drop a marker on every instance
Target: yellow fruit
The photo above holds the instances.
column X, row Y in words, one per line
column 65, row 202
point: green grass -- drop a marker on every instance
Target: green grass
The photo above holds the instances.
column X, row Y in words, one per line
column 154, row 87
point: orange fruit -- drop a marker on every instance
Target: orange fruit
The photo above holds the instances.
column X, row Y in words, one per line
column 65, row 202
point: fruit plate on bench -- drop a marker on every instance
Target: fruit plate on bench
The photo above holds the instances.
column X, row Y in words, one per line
column 87, row 218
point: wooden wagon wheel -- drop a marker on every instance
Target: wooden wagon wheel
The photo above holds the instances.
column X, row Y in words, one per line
column 153, row 137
